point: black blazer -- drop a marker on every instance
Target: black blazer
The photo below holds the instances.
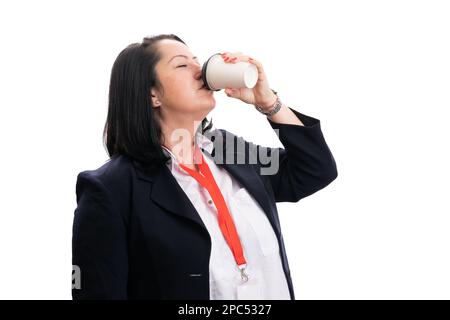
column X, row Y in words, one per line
column 136, row 235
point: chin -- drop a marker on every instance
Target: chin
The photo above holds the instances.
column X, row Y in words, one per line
column 206, row 108
column 213, row 102
column 207, row 101
column 203, row 101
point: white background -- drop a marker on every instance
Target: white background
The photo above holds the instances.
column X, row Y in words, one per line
column 376, row 73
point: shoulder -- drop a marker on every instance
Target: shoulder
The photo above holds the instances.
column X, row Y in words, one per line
column 230, row 143
column 113, row 177
column 224, row 139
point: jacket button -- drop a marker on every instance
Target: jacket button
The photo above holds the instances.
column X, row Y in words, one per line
column 210, row 201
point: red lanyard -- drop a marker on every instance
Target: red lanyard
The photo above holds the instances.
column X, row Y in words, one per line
column 226, row 224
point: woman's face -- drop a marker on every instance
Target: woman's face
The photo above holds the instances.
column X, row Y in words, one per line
column 180, row 76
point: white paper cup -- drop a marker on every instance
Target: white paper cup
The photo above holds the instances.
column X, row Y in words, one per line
column 218, row 74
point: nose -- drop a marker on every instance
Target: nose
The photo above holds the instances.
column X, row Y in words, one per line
column 198, row 72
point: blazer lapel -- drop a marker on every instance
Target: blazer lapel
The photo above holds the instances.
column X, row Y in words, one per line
column 243, row 173
column 167, row 193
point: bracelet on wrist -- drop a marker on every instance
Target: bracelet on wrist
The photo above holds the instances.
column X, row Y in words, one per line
column 273, row 109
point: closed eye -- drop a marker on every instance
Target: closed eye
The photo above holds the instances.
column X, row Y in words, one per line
column 184, row 65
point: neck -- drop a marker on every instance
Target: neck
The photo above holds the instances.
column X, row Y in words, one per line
column 179, row 137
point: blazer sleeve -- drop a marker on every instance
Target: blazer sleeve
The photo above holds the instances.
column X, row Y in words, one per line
column 99, row 242
column 305, row 164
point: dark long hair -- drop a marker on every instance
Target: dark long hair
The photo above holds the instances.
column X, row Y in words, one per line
column 131, row 127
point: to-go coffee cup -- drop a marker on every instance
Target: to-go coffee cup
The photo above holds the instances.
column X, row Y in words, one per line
column 218, row 74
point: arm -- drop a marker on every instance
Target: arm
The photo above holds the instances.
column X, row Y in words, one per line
column 99, row 243
column 306, row 164
column 285, row 116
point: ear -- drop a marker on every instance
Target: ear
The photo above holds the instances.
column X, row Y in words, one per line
column 154, row 95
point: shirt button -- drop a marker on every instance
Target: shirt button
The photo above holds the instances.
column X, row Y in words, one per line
column 210, row 201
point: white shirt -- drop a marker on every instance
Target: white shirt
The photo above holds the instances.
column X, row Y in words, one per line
column 259, row 243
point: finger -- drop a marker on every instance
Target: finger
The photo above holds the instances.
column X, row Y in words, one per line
column 236, row 58
column 258, row 65
column 231, row 56
column 231, row 92
column 246, row 58
column 227, row 56
column 241, row 57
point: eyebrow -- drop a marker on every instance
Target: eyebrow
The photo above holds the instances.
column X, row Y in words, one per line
column 180, row 55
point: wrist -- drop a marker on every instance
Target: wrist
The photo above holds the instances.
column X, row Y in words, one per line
column 271, row 108
column 270, row 104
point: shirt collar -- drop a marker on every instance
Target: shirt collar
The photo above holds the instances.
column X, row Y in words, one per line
column 202, row 141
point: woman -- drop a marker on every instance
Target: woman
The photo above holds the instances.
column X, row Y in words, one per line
column 182, row 211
